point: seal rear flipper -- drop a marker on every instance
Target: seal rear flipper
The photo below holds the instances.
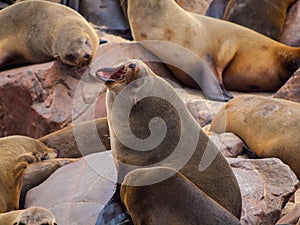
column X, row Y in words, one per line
column 226, row 94
column 114, row 212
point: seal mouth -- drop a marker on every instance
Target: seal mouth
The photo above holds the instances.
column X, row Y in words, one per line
column 111, row 74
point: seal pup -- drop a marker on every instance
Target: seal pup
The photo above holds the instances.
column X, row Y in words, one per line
column 270, row 127
column 39, row 31
column 241, row 58
column 174, row 139
column 30, row 216
column 16, row 153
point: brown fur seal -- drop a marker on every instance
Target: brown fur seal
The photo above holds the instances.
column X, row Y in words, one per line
column 40, row 31
column 264, row 16
column 244, row 59
column 173, row 201
column 30, row 216
column 150, row 126
column 270, row 127
column 80, row 139
column 16, row 153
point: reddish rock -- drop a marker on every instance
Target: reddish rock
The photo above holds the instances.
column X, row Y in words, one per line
column 291, row 89
column 266, row 184
column 290, row 34
column 38, row 99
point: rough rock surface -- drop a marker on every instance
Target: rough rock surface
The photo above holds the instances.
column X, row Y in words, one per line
column 266, row 185
column 77, row 192
column 202, row 110
column 291, row 89
column 228, row 143
column 32, row 102
column 290, row 34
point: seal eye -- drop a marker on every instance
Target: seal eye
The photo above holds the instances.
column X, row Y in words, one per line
column 21, row 223
column 87, row 42
column 132, row 65
column 45, row 224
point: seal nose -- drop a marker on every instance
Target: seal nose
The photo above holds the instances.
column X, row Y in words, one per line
column 86, row 55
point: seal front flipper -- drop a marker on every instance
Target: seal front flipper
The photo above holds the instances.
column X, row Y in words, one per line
column 114, row 212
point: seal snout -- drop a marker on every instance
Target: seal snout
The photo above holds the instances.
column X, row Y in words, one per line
column 111, row 74
column 86, row 55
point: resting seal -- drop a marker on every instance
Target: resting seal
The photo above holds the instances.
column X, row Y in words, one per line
column 16, row 153
column 30, row 216
column 263, row 16
column 270, row 127
column 40, row 31
column 240, row 57
column 136, row 98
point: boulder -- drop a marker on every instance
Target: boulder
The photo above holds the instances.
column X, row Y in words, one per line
column 266, row 185
column 291, row 89
column 77, row 192
column 290, row 34
column 38, row 99
column 228, row 143
column 202, row 110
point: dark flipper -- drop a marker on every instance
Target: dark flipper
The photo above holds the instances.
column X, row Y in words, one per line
column 114, row 212
column 217, row 9
column 102, row 41
column 251, row 154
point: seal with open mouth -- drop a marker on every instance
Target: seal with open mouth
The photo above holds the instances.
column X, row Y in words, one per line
column 150, row 126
